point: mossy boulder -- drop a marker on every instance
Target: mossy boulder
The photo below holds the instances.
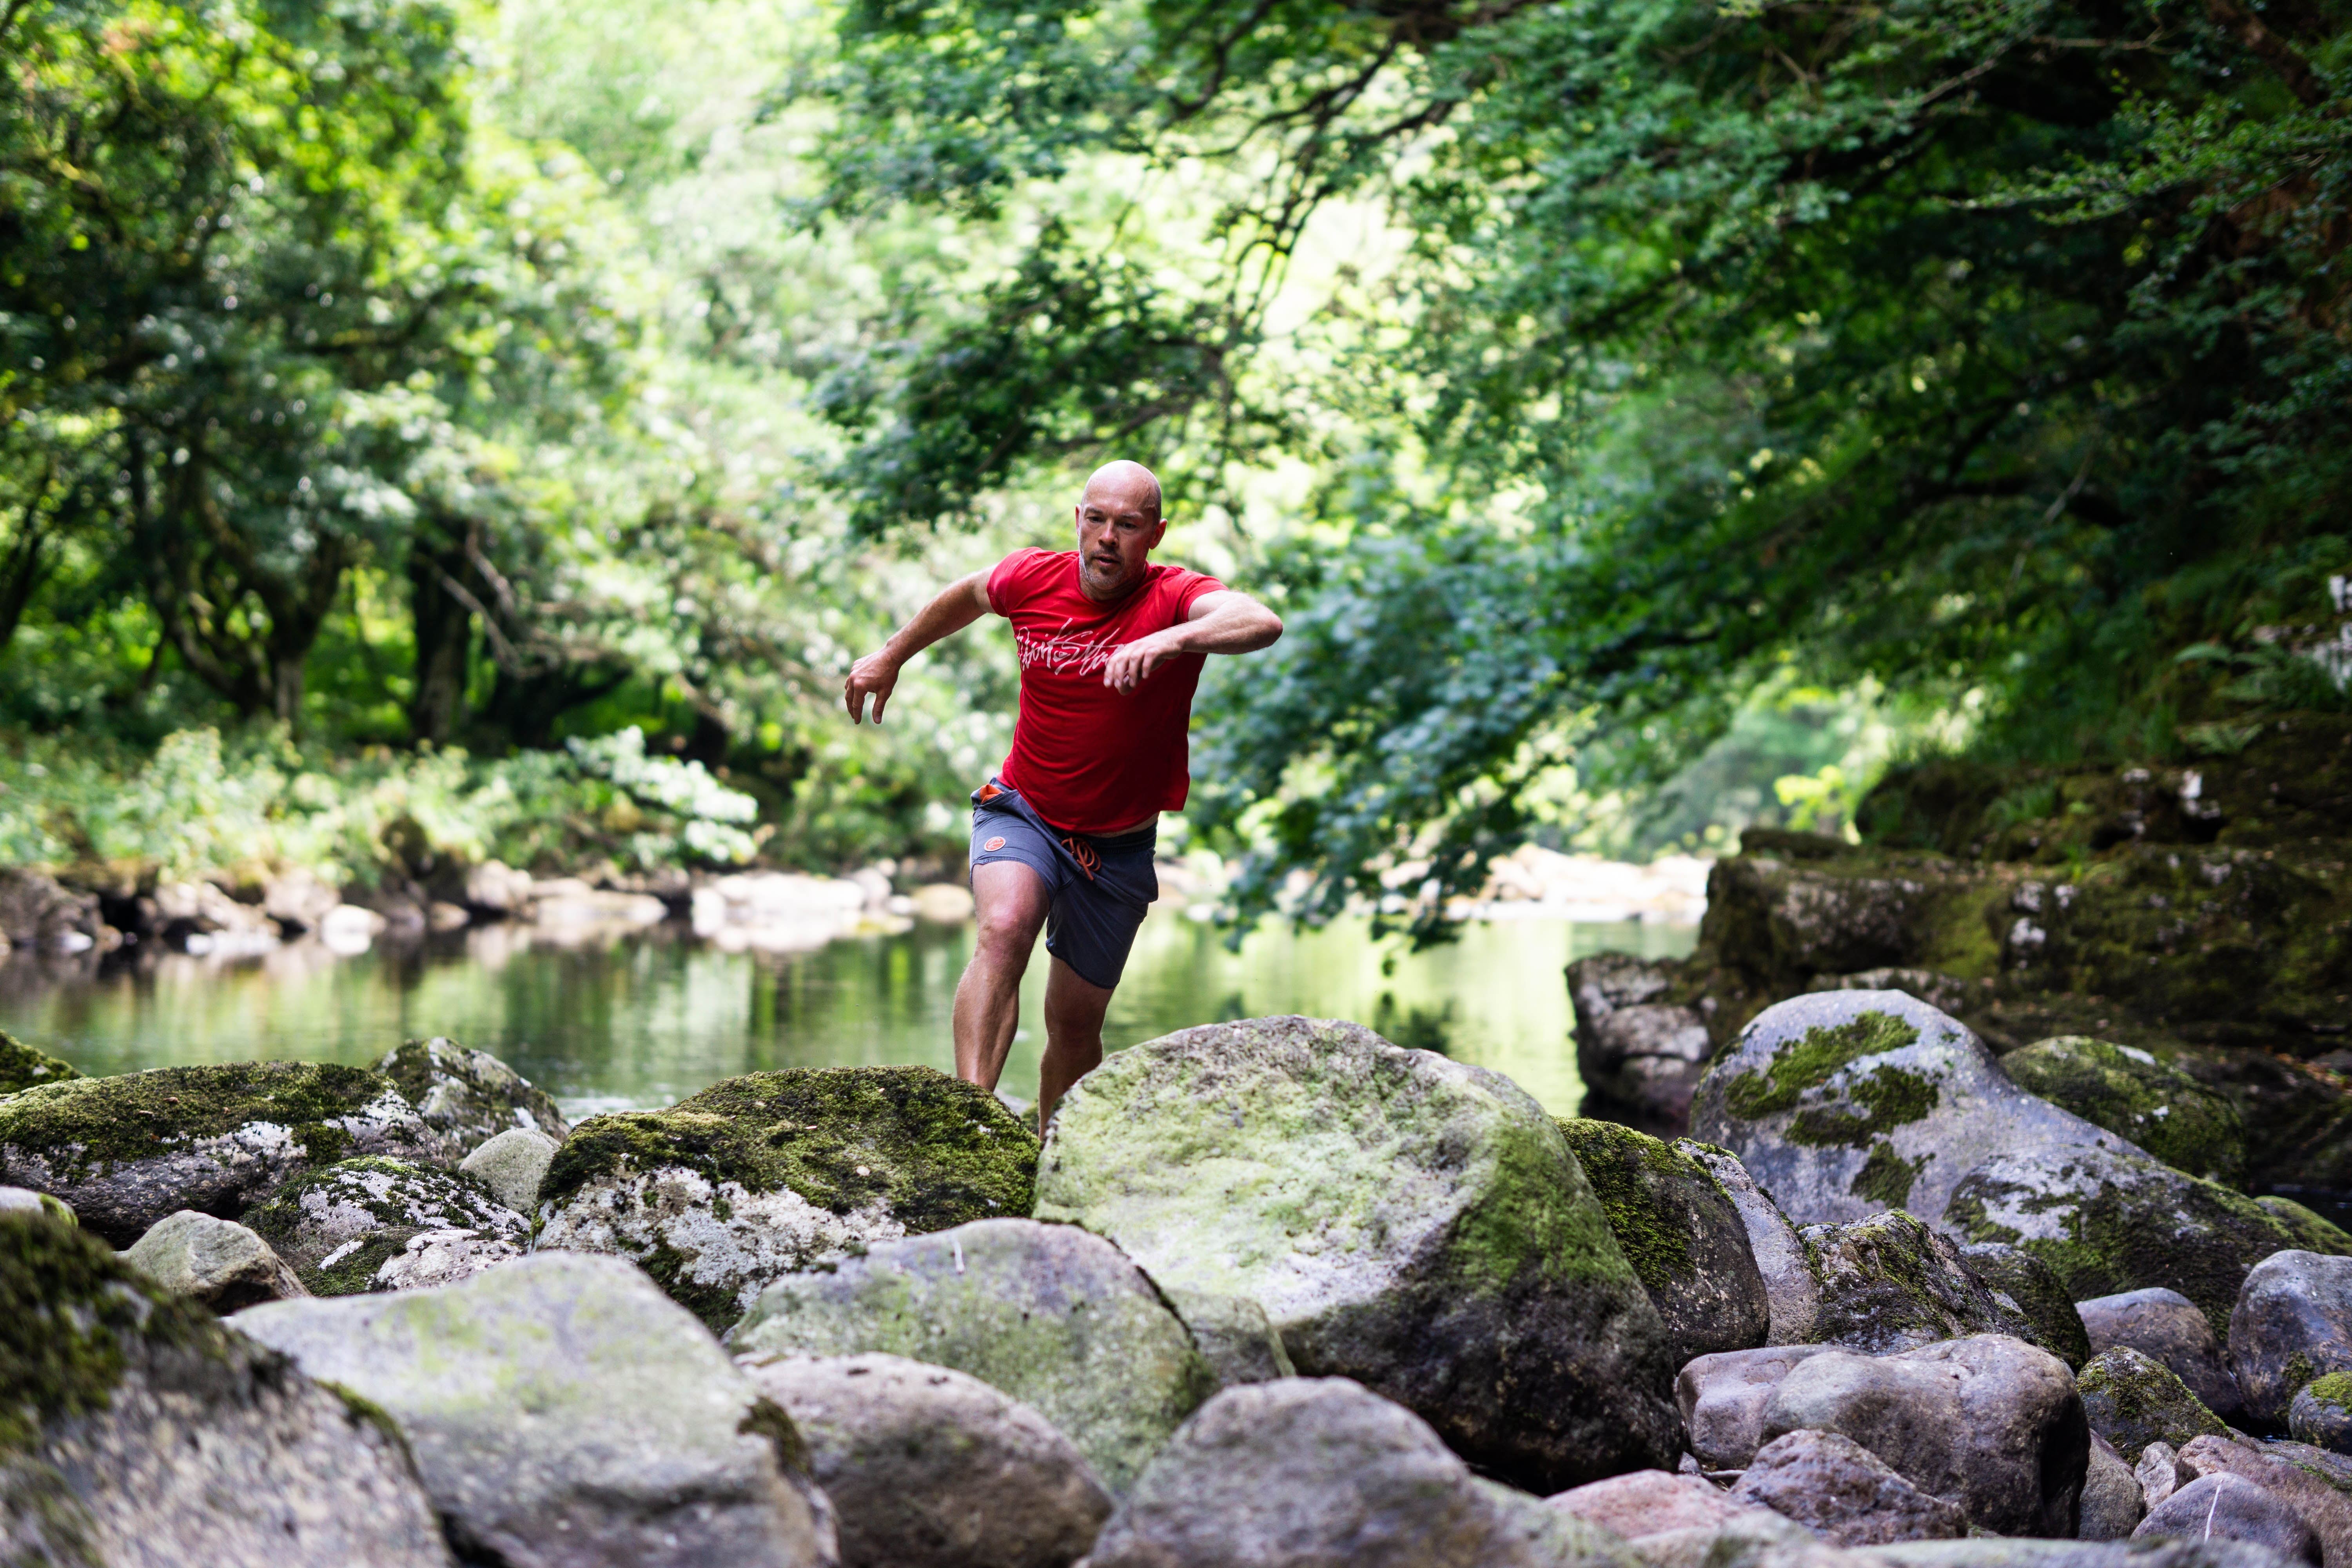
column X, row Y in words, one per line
column 344, row 1228
column 1677, row 1227
column 762, row 1175
column 2110, row 1220
column 2312, row 1232
column 1413, row 1223
column 2134, row 1400
column 2025, row 1285
column 22, row 1066
column 2321, row 1412
column 125, row 1152
column 135, row 1428
column 1790, row 1284
column 1844, row 1104
column 468, row 1096
column 1048, row 1314
column 1890, row 1283
column 2131, row 1093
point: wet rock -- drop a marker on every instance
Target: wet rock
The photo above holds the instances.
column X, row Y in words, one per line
column 2110, row 1221
column 2293, row 1324
column 1639, row 1057
column 2311, row 1232
column 1046, row 1314
column 565, row 1413
column 216, row 1263
column 1844, row 1493
column 1792, row 1292
column 2133, row 1400
column 2321, row 1413
column 24, row 1200
column 1233, row 1336
column 2113, row 1504
column 141, row 1431
column 1723, row 1399
column 1890, row 1283
column 125, row 1152
column 1844, row 1104
column 2023, row 1284
column 1680, row 1230
column 1321, row 1473
column 512, row 1165
column 2158, row 1472
column 2311, row 1489
column 2166, row 1326
column 2231, row 1508
column 468, row 1096
column 22, row 1066
column 38, row 915
column 1652, row 1502
column 928, row 1467
column 341, row 1228
column 762, row 1175
column 1410, row 1222
column 2149, row 1103
column 1988, row 1422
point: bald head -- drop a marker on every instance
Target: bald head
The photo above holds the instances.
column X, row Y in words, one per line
column 1123, row 486
column 1118, row 523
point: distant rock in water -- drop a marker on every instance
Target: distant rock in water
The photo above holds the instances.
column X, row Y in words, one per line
column 1413, row 1223
column 762, row 1175
column 140, row 1430
column 1639, row 1055
column 468, row 1096
column 2129, row 1092
column 347, row 1229
column 22, row 1066
column 125, row 1152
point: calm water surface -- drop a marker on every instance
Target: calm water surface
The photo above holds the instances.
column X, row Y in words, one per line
column 650, row 1020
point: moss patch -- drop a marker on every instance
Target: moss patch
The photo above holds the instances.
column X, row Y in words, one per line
column 2334, row 1391
column 1625, row 1169
column 2312, row 1232
column 2133, row 1401
column 1808, row 1061
column 22, row 1066
column 1890, row 1097
column 1885, row 1177
column 94, row 1125
column 2133, row 1095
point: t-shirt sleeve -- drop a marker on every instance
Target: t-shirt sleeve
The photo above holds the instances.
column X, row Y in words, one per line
column 1008, row 585
column 1189, row 588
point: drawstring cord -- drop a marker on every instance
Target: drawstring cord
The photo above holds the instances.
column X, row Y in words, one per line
column 1084, row 854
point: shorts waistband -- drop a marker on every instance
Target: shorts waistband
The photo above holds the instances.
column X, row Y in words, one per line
column 1116, row 844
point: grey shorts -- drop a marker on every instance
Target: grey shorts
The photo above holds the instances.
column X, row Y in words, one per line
column 1101, row 888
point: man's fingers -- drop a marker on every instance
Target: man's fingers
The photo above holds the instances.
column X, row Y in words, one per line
column 879, row 699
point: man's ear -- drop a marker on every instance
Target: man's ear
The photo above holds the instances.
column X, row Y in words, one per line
column 1159, row 531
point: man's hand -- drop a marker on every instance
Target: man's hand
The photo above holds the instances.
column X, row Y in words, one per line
column 959, row 604
column 1131, row 662
column 877, row 674
column 1222, row 622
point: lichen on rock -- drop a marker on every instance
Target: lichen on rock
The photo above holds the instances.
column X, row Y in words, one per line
column 2134, row 1400
column 2132, row 1093
column 468, row 1096
column 342, row 1228
column 22, row 1066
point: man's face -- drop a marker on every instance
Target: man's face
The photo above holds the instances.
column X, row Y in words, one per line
column 1117, row 531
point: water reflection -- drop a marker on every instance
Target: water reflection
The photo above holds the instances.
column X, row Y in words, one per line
column 647, row 1020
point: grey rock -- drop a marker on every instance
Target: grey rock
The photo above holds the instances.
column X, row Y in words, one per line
column 2230, row 1508
column 2158, row 1472
column 342, row 1228
column 512, row 1165
column 1046, row 1314
column 565, row 1413
column 1844, row 1493
column 1758, row 1538
column 1639, row 1057
column 1652, row 1502
column 1415, row 1223
column 469, row 1097
column 1794, row 1295
column 1890, row 1283
column 2113, row 1502
column 2313, row 1490
column 2025, row 1552
column 929, row 1467
column 1234, row 1335
column 2111, row 1220
column 2321, row 1413
column 1323, row 1473
column 24, row 1200
column 147, row 1433
column 2292, row 1324
column 2133, row 1400
column 216, row 1262
column 2025, row 1285
column 1723, row 1399
column 1844, row 1104
column 2166, row 1326
column 1988, row 1422
column 1682, row 1233
column 125, row 1152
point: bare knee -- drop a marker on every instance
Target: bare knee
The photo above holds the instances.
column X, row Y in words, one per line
column 1004, row 940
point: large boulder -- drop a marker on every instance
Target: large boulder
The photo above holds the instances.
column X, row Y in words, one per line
column 2151, row 1103
column 22, row 1066
column 468, row 1096
column 125, row 1152
column 762, row 1175
column 2111, row 1220
column 138, row 1430
column 1639, row 1055
column 2133, row 1401
column 1844, row 1104
column 1890, row 1283
column 1844, row 1493
column 2230, row 1508
column 2022, row 1283
column 2166, row 1326
column 565, row 1413
column 2293, row 1324
column 931, row 1468
column 343, row 1226
column 2311, row 1489
column 1791, row 1287
column 1322, row 1473
column 1988, row 1422
column 1046, row 1314
column 215, row 1263
column 1680, row 1230
column 1723, row 1399
column 1413, row 1223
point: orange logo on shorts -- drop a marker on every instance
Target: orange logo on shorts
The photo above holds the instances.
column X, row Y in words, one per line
column 991, row 847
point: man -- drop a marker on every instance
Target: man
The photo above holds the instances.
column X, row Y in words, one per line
column 1111, row 647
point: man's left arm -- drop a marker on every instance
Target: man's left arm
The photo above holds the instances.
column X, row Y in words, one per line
column 1222, row 622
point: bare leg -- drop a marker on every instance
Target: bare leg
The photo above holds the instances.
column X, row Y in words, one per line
column 1009, row 900
column 1073, row 1017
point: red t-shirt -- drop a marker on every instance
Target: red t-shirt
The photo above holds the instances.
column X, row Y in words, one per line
column 1088, row 758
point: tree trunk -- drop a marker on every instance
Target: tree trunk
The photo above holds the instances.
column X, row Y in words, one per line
column 445, row 630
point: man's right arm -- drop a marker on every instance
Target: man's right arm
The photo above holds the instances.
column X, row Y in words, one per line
column 962, row 602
